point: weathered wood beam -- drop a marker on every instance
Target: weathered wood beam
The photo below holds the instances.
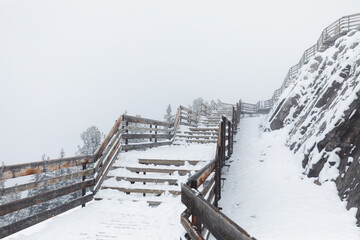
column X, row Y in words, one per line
column 168, row 162
column 151, row 180
column 194, row 235
column 145, row 145
column 142, row 190
column 25, row 169
column 146, row 121
column 203, row 174
column 42, row 197
column 30, row 221
column 47, row 182
column 220, row 226
column 146, row 136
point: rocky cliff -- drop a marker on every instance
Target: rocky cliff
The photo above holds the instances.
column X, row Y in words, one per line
column 321, row 110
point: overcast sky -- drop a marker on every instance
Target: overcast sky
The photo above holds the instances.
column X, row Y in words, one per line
column 66, row 65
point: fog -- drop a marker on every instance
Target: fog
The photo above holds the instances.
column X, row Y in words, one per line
column 66, row 65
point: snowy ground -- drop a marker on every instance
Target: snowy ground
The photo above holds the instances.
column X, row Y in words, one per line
column 267, row 194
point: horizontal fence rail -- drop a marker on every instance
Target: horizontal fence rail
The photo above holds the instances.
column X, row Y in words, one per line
column 50, row 187
column 202, row 192
column 327, row 38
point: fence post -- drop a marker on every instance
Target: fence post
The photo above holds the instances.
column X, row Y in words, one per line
column 223, row 139
column 150, row 132
column 195, row 222
column 83, row 191
column 126, row 130
column 156, row 133
column 229, row 139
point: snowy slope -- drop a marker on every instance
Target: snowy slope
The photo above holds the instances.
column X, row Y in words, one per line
column 267, row 193
column 320, row 110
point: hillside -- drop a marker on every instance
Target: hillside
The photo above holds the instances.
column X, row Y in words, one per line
column 319, row 109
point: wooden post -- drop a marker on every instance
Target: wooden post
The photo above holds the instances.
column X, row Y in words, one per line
column 83, row 191
column 156, row 133
column 229, row 139
column 150, row 132
column 195, row 221
column 223, row 139
column 126, row 131
column 217, row 178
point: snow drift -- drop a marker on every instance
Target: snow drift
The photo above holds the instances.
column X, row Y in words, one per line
column 320, row 111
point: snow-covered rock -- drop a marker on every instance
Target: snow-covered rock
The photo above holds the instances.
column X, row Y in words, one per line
column 321, row 111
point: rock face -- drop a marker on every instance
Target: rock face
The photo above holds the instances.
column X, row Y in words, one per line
column 321, row 110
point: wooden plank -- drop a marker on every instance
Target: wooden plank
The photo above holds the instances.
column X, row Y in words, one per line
column 150, row 180
column 105, row 142
column 220, row 226
column 194, row 235
column 47, row 182
column 143, row 129
column 201, row 141
column 142, row 190
column 30, row 221
column 146, row 121
column 168, row 162
column 204, row 133
column 202, row 174
column 198, row 136
column 186, row 109
column 207, row 186
column 146, row 136
column 25, row 169
column 189, row 119
column 203, row 129
column 145, row 145
column 105, row 169
column 42, row 197
column 187, row 124
column 158, row 170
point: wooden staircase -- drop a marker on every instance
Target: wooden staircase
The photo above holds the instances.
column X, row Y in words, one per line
column 150, row 178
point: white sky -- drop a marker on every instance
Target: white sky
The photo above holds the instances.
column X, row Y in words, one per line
column 69, row 64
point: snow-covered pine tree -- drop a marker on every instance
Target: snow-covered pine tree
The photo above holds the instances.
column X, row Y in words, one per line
column 62, row 153
column 92, row 138
column 169, row 117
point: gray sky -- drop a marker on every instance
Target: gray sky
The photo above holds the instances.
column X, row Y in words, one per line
column 66, row 65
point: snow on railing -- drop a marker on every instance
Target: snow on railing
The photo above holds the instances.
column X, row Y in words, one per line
column 62, row 184
column 202, row 192
column 328, row 36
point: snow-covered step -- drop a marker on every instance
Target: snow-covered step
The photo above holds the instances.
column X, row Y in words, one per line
column 200, row 141
column 204, row 129
column 203, row 132
column 145, row 189
column 198, row 136
column 131, row 179
column 169, row 162
column 159, row 170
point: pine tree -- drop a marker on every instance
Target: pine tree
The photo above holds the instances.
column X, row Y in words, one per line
column 92, row 138
column 168, row 116
column 62, row 153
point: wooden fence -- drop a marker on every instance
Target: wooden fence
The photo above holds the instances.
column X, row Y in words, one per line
column 202, row 192
column 55, row 186
column 327, row 38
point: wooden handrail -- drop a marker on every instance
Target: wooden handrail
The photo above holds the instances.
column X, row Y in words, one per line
column 203, row 211
column 328, row 36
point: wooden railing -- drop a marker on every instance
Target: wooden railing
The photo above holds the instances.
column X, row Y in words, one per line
column 57, row 186
column 62, row 184
column 328, row 36
column 202, row 192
